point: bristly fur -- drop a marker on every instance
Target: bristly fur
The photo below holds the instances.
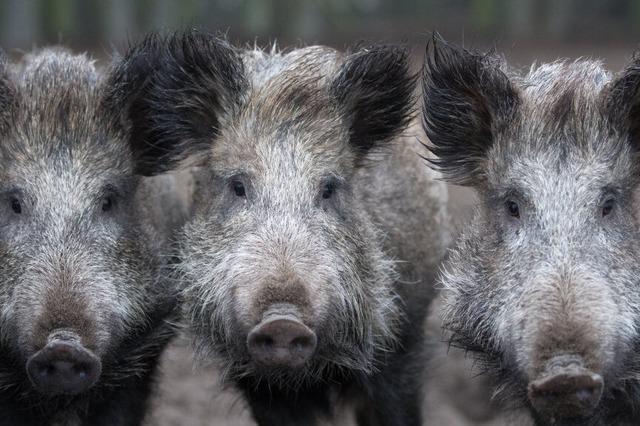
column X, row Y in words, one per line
column 467, row 98
column 315, row 231
column 560, row 275
column 83, row 252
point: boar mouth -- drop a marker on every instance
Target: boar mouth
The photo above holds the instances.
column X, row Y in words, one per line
column 566, row 389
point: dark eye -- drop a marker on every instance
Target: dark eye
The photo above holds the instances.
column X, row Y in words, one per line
column 607, row 207
column 238, row 188
column 328, row 190
column 16, row 206
column 513, row 209
column 107, row 203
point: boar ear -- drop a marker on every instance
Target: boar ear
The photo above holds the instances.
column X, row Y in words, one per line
column 622, row 101
column 375, row 88
column 173, row 93
column 467, row 100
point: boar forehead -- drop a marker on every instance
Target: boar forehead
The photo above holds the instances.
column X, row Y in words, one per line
column 288, row 123
column 57, row 119
column 561, row 145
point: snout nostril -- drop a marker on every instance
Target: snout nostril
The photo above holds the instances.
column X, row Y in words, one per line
column 81, row 370
column 300, row 342
column 45, row 370
column 263, row 340
column 585, row 394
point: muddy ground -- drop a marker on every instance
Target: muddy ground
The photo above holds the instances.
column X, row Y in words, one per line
column 193, row 396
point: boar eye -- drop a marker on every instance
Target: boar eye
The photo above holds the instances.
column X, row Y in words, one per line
column 238, row 188
column 16, row 206
column 513, row 209
column 607, row 207
column 107, row 203
column 328, row 190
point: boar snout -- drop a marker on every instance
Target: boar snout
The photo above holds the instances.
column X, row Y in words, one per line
column 63, row 367
column 281, row 340
column 566, row 389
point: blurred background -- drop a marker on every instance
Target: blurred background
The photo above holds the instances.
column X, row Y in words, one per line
column 524, row 30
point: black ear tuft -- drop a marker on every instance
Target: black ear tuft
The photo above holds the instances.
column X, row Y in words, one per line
column 467, row 99
column 172, row 94
column 622, row 101
column 375, row 88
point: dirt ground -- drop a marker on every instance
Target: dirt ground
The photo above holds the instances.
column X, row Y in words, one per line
column 190, row 396
column 193, row 396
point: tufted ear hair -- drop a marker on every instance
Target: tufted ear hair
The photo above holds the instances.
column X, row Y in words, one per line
column 172, row 94
column 467, row 100
column 621, row 99
column 375, row 87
